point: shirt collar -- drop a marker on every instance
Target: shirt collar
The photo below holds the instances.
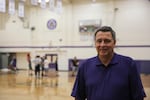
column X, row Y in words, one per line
column 114, row 60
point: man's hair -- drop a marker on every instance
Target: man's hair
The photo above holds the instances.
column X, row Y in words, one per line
column 106, row 29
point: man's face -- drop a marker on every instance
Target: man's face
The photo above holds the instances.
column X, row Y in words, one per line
column 104, row 43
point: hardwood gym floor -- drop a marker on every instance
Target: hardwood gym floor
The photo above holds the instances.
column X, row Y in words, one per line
column 21, row 86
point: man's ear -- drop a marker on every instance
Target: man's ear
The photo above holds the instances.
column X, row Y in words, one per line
column 114, row 41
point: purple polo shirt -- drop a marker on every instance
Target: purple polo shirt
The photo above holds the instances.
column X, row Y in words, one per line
column 120, row 80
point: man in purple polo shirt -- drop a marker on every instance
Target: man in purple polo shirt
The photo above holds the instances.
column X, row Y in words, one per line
column 108, row 76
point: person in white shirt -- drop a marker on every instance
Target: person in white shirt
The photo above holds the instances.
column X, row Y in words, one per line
column 46, row 65
column 37, row 62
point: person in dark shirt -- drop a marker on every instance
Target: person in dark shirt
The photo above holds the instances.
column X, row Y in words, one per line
column 108, row 76
column 42, row 66
column 75, row 64
column 56, row 65
column 13, row 64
